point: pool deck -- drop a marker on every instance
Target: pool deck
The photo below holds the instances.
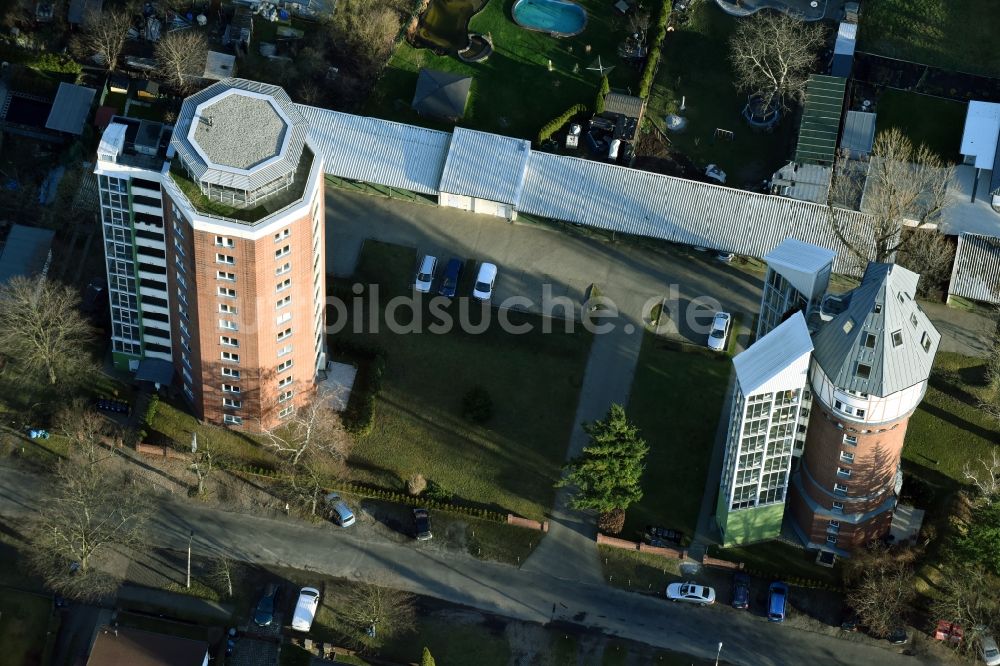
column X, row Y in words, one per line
column 807, row 10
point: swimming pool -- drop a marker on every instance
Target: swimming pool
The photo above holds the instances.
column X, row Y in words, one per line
column 558, row 17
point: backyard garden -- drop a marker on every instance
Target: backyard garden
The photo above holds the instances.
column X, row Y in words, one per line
column 933, row 121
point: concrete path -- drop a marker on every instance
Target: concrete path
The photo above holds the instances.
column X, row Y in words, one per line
column 962, row 331
column 569, row 550
column 525, row 595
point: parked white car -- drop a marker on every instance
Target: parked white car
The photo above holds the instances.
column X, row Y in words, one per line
column 691, row 592
column 483, row 290
column 720, row 331
column 305, row 609
column 425, row 274
column 990, row 652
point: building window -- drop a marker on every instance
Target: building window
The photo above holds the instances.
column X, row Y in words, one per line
column 223, row 241
column 282, row 318
column 838, row 507
column 285, row 351
column 878, row 308
column 223, row 275
column 231, row 372
column 285, row 396
column 840, row 488
column 286, row 412
column 232, row 402
column 227, row 341
column 284, row 334
column 285, row 382
column 227, row 259
column 230, row 419
column 285, row 365
column 284, row 268
column 925, row 341
column 228, row 325
column 283, row 285
column 869, row 341
column 900, row 297
column 283, row 252
column 282, row 235
column 897, row 338
column 283, row 302
column 227, row 292
column 831, row 539
column 844, row 472
column 860, row 413
column 864, row 371
column 231, row 357
column 913, row 320
column 229, row 388
column 226, row 308
column 847, row 457
column 833, row 526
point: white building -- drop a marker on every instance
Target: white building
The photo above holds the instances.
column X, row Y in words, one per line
column 797, row 277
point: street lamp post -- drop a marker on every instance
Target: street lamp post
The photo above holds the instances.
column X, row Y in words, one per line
column 190, row 539
column 718, row 654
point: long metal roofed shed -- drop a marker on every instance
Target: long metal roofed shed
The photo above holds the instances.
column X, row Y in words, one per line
column 240, row 134
column 484, row 172
column 27, row 252
column 70, row 108
column 859, row 133
column 976, row 273
column 881, row 342
column 820, row 120
column 377, row 151
column 843, row 49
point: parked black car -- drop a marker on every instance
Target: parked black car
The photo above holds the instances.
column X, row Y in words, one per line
column 449, row 281
column 263, row 614
column 741, row 590
column 422, row 525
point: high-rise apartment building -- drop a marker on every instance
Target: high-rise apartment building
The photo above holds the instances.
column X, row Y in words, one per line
column 768, row 405
column 215, row 248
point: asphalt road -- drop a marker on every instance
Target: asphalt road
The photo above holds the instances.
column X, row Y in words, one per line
column 526, row 595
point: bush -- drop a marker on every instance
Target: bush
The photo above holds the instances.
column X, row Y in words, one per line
column 553, row 125
column 612, row 522
column 653, row 58
column 477, row 405
column 437, row 493
column 363, row 490
column 602, row 90
column 154, row 403
column 415, row 485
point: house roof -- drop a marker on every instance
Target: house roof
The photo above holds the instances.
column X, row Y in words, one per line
column 859, row 133
column 804, row 265
column 219, row 66
column 378, row 151
column 135, row 647
column 441, row 94
column 847, row 36
column 820, row 119
column 881, row 328
column 778, row 361
column 982, row 133
column 486, row 166
column 26, row 251
column 805, row 182
column 70, row 108
column 627, row 105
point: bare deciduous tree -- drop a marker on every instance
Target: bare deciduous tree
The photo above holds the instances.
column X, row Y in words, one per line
column 224, row 574
column 104, row 34
column 905, row 184
column 313, row 431
column 880, row 586
column 181, row 56
column 376, row 613
column 92, row 508
column 772, row 55
column 967, row 596
column 42, row 329
column 985, row 475
column 367, row 30
column 203, row 465
column 928, row 253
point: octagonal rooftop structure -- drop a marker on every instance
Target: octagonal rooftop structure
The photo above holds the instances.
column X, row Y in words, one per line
column 240, row 134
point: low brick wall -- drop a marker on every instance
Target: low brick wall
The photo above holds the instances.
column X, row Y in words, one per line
column 663, row 551
column 517, row 521
column 614, row 542
column 720, row 564
column 161, row 451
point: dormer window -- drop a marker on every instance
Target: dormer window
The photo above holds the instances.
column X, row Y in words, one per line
column 897, row 338
column 864, row 371
column 913, row 320
column 925, row 341
column 878, row 308
column 901, row 297
column 869, row 341
column 848, row 326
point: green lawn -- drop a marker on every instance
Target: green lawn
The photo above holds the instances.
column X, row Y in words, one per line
column 514, row 92
column 24, row 621
column 512, row 461
column 695, row 68
column 679, row 424
column 777, row 559
column 930, row 120
column 634, row 570
column 958, row 35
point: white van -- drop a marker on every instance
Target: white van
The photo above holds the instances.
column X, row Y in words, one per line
column 305, row 609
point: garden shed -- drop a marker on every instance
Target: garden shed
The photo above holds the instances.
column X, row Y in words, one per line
column 441, row 94
column 859, row 133
column 27, row 252
column 70, row 108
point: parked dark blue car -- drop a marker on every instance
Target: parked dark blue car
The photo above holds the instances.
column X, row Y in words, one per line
column 777, row 601
column 263, row 614
column 741, row 590
column 449, row 282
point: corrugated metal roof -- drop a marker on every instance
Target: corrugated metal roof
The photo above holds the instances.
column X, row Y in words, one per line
column 820, row 119
column 25, row 252
column 771, row 357
column 859, row 133
column 901, row 351
column 627, row 105
column 70, row 108
column 236, row 178
column 982, row 132
column 847, row 36
column 485, row 166
column 377, row 151
column 641, row 203
column 976, row 273
column 806, row 266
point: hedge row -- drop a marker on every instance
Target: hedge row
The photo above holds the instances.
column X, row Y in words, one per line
column 653, row 58
column 553, row 125
column 602, row 90
column 798, row 582
column 402, row 498
column 40, row 60
column 359, row 417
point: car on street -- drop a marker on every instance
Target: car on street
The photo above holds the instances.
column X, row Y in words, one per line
column 483, row 289
column 449, row 281
column 339, row 512
column 305, row 609
column 422, row 525
column 989, row 651
column 691, row 592
column 724, row 257
column 741, row 590
column 425, row 274
column 898, row 636
column 263, row 612
column 777, row 601
column 720, row 331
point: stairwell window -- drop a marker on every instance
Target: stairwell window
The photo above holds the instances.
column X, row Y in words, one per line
column 223, row 275
column 285, row 351
column 847, row 457
column 831, row 539
column 230, row 419
column 232, row 403
column 227, row 259
column 840, row 488
column 864, row 371
column 282, row 235
column 284, row 268
column 233, row 373
column 223, row 241
column 283, row 252
column 228, row 325
column 285, row 382
column 869, row 341
column 230, row 388
column 284, row 334
column 283, row 285
column 283, row 302
column 925, row 341
column 833, row 526
column 231, row 357
column 844, row 472
column 285, row 365
column 227, row 341
column 226, row 308
column 286, row 412
column 838, row 507
column 285, row 396
column 897, row 338
column 227, row 292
